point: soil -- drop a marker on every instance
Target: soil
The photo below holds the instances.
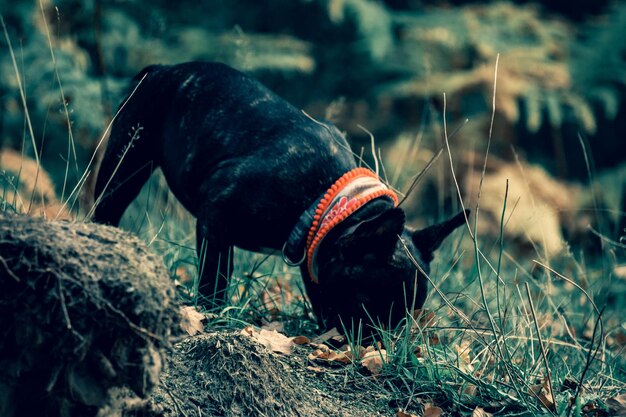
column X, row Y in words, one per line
column 228, row 374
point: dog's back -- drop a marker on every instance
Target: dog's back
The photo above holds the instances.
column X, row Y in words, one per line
column 222, row 139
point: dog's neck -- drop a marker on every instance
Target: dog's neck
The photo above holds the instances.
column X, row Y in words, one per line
column 343, row 199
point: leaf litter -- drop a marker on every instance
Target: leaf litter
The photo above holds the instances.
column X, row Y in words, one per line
column 263, row 372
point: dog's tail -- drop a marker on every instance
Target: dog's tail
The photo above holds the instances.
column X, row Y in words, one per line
column 130, row 156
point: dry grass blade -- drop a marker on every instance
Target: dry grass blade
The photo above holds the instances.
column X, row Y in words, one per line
column 70, row 138
column 89, row 170
column 542, row 347
column 373, row 144
column 29, row 124
column 605, row 239
column 473, row 234
column 343, row 146
column 135, row 136
column 454, row 178
column 590, row 357
column 420, row 175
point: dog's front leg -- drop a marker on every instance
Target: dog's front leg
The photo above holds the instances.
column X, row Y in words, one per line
column 215, row 263
column 315, row 296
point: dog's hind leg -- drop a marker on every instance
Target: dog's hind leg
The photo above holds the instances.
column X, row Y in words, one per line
column 127, row 163
column 125, row 168
column 132, row 148
column 215, row 263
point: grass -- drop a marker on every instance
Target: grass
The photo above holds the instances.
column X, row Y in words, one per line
column 502, row 333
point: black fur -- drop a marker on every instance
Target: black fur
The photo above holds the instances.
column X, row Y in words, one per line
column 246, row 164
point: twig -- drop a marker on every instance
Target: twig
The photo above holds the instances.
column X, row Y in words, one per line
column 420, row 175
column 66, row 315
column 6, row 267
column 174, row 399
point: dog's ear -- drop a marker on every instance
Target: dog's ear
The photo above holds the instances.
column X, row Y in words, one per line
column 375, row 235
column 429, row 239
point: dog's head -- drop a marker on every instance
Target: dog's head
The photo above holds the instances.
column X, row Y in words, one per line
column 374, row 270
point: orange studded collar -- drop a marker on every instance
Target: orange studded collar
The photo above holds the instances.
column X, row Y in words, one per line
column 349, row 193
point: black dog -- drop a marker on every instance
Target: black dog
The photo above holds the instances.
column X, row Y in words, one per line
column 258, row 173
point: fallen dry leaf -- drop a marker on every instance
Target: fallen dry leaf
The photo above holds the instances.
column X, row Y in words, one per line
column 592, row 409
column 423, row 318
column 247, row 331
column 327, row 335
column 401, row 413
column 617, row 405
column 374, row 361
column 319, row 346
column 419, row 352
column 191, row 320
column 341, row 357
column 301, row 340
column 479, row 412
column 318, row 354
column 432, row 411
column 316, row 369
column 544, row 394
column 333, row 335
column 570, row 383
column 182, row 275
column 464, row 360
column 321, row 352
column 271, row 339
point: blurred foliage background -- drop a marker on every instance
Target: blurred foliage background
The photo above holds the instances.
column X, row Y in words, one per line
column 559, row 126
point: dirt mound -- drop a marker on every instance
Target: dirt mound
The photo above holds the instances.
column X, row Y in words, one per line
column 85, row 310
column 228, row 374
